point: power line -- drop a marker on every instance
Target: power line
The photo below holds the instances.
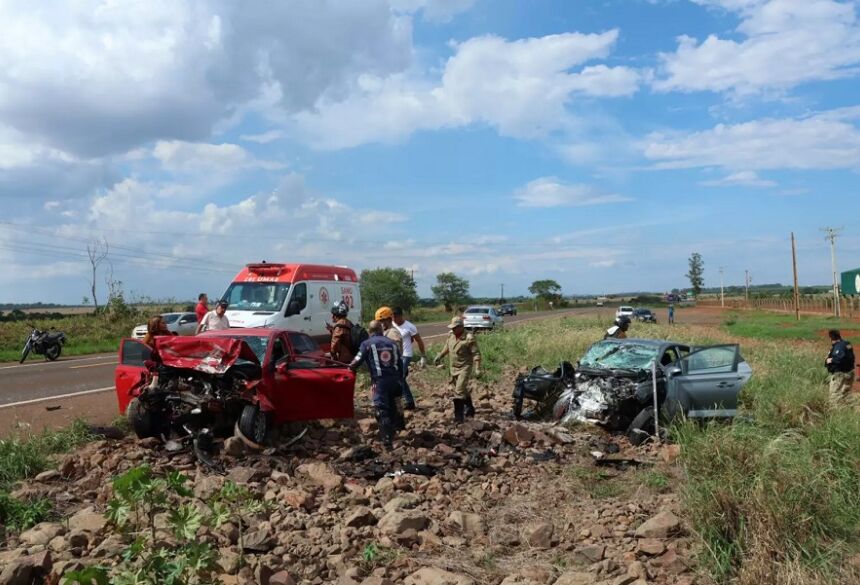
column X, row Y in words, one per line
column 831, row 234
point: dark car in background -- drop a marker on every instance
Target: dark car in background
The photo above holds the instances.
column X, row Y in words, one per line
column 508, row 309
column 644, row 315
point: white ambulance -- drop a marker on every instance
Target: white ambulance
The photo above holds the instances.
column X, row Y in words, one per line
column 296, row 297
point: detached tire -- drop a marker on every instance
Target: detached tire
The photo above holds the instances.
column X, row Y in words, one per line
column 642, row 427
column 253, row 425
column 140, row 419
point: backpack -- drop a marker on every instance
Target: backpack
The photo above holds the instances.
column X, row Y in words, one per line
column 356, row 335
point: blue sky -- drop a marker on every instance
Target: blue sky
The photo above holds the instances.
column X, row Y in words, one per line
column 596, row 143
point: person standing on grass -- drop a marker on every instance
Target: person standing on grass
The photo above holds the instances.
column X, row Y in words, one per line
column 202, row 306
column 671, row 314
column 840, row 363
column 410, row 336
column 215, row 320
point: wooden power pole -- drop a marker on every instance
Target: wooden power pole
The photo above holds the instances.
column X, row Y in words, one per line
column 794, row 268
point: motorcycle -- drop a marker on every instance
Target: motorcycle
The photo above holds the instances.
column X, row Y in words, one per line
column 542, row 387
column 46, row 343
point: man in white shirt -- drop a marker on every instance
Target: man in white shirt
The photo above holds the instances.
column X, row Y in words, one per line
column 214, row 320
column 410, row 336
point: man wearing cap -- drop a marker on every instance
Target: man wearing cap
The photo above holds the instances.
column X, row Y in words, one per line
column 464, row 359
column 382, row 359
column 386, row 317
column 215, row 320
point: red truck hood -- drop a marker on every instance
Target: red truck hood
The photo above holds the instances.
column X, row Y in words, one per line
column 211, row 355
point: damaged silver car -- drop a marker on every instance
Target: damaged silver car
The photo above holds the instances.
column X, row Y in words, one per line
column 614, row 384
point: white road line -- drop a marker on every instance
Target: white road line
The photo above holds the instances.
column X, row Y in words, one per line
column 61, row 362
column 110, row 363
column 59, row 397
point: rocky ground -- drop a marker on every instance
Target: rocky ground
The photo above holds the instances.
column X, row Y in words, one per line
column 487, row 502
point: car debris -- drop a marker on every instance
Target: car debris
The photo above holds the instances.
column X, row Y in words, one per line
column 618, row 383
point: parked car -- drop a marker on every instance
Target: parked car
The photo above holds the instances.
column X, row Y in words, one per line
column 247, row 378
column 644, row 315
column 178, row 323
column 508, row 309
column 614, row 388
column 482, row 317
column 624, row 311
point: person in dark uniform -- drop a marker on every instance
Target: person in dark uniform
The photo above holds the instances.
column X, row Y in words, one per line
column 619, row 329
column 382, row 358
column 840, row 363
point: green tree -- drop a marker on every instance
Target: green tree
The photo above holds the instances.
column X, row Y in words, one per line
column 392, row 287
column 546, row 290
column 450, row 290
column 696, row 273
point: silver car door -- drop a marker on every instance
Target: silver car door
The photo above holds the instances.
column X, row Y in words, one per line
column 708, row 382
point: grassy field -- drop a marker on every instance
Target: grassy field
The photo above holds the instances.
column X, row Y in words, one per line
column 775, row 497
column 765, row 325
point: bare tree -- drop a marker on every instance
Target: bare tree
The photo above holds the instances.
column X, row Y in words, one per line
column 97, row 251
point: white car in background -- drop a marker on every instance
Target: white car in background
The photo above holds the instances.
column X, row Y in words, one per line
column 482, row 317
column 178, row 323
column 624, row 311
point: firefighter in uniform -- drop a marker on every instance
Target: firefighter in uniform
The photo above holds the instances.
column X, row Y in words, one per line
column 341, row 333
column 619, row 329
column 840, row 363
column 464, row 359
column 382, row 359
column 385, row 315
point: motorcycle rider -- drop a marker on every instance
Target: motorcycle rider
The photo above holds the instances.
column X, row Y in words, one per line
column 619, row 329
column 341, row 333
column 382, row 359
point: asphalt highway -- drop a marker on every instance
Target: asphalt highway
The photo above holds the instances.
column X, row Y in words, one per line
column 36, row 382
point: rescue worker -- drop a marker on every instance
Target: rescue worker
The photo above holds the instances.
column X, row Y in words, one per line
column 840, row 363
column 464, row 360
column 386, row 317
column 619, row 329
column 382, row 359
column 341, row 333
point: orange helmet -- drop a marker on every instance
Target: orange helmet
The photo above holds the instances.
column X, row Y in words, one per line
column 383, row 313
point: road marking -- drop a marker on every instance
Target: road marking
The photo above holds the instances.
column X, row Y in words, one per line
column 59, row 362
column 93, row 365
column 59, row 397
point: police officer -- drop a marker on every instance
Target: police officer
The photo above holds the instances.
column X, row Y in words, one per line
column 382, row 359
column 464, row 359
column 619, row 329
column 840, row 364
column 341, row 333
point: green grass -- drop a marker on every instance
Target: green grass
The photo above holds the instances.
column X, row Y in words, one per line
column 765, row 325
column 85, row 334
column 26, row 456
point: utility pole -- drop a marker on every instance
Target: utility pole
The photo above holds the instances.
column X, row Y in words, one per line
column 794, row 269
column 747, row 286
column 502, row 298
column 722, row 293
column 831, row 236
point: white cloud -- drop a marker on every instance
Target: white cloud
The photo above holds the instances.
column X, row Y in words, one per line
column 263, row 137
column 522, row 88
column 830, row 140
column 92, row 77
column 783, row 43
column 741, row 179
column 549, row 192
column 381, row 217
column 51, row 205
column 189, row 157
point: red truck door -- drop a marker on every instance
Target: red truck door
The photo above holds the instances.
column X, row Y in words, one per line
column 132, row 355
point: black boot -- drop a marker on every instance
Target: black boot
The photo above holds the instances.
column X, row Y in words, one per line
column 470, row 408
column 459, row 406
column 386, row 429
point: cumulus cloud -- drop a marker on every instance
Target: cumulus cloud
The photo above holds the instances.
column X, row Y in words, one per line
column 550, row 192
column 433, row 10
column 184, row 157
column 91, row 77
column 825, row 141
column 521, row 88
column 783, row 43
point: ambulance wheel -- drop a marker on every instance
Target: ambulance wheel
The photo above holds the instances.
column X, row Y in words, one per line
column 253, row 425
column 140, row 419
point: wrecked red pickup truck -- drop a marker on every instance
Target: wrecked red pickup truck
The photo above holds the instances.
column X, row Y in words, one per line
column 250, row 379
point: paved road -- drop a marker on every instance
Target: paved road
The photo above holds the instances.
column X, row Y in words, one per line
column 36, row 382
